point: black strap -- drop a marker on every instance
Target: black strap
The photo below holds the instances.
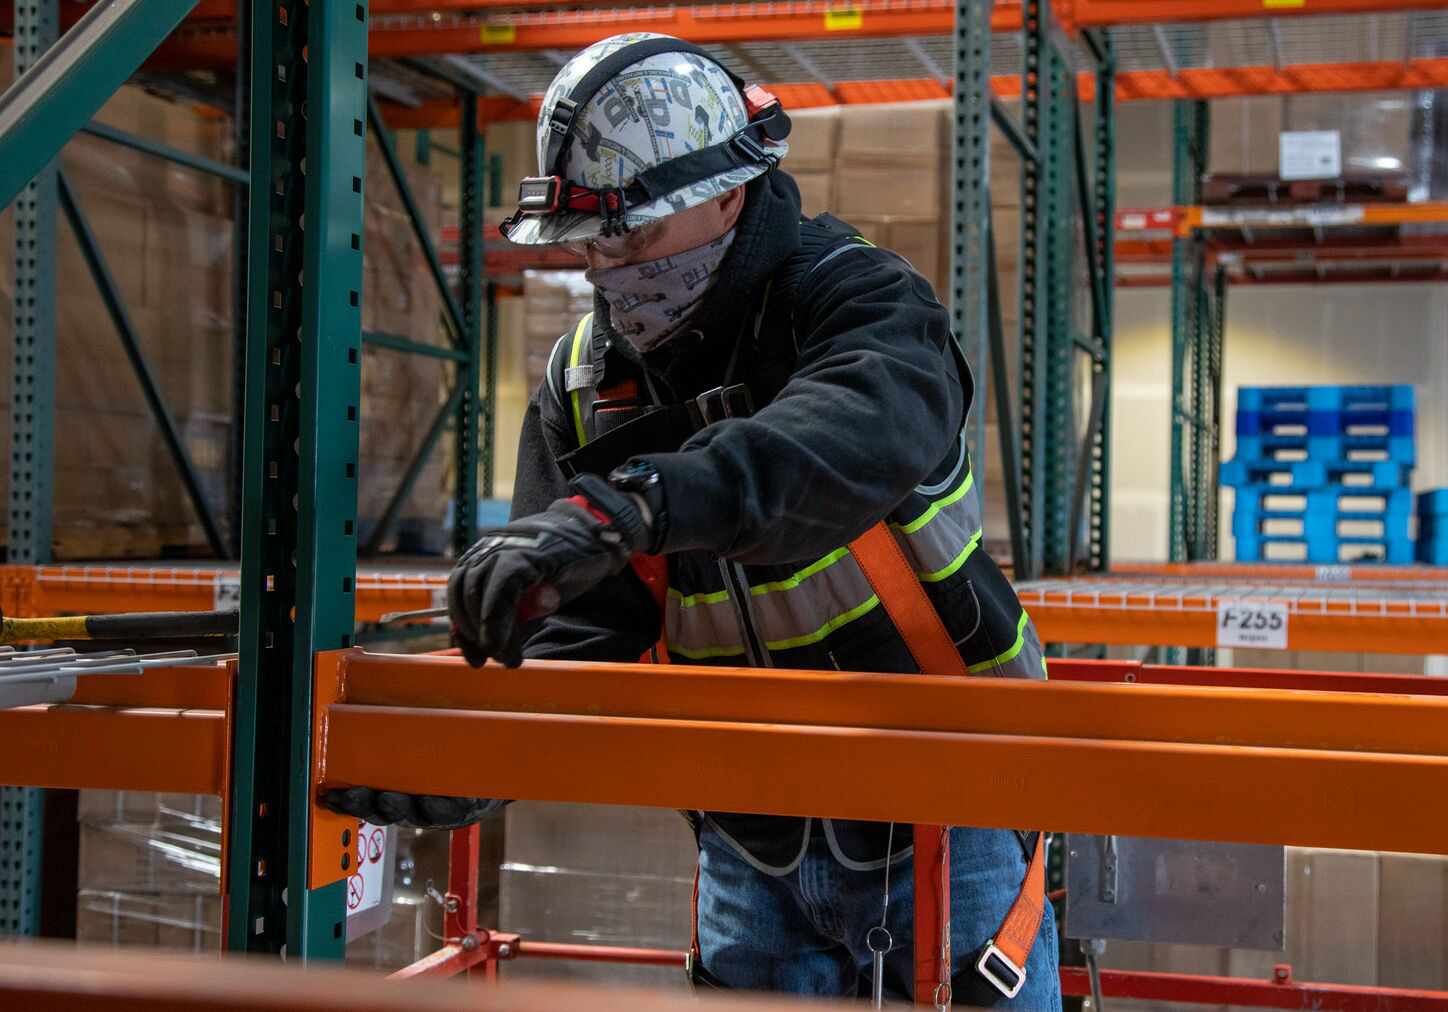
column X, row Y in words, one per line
column 605, row 70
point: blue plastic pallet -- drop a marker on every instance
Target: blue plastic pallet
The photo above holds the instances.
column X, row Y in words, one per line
column 1319, row 512
column 1283, row 448
column 1326, row 551
column 1433, row 553
column 1302, row 475
column 1434, row 503
column 1328, row 397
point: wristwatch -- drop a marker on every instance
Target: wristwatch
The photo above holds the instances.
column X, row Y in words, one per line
column 640, row 478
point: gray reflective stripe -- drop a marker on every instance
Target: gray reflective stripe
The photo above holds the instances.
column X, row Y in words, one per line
column 854, row 865
column 754, row 862
column 827, row 594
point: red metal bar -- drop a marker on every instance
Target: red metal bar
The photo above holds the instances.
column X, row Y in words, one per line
column 1063, row 670
column 932, row 911
column 1281, row 992
column 601, row 953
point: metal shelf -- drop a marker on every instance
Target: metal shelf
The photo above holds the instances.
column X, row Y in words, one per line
column 106, row 587
column 1349, row 617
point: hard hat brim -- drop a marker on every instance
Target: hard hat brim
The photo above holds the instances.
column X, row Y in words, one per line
column 568, row 226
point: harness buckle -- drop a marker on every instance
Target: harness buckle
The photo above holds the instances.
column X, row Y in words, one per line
column 724, row 402
column 990, row 966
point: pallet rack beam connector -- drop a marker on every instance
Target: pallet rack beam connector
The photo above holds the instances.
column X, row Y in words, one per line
column 66, row 85
column 299, row 537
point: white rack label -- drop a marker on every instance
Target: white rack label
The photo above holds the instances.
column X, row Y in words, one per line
column 227, row 592
column 1261, row 624
column 1333, row 574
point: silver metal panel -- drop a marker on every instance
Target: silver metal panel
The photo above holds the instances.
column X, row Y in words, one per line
column 1179, row 891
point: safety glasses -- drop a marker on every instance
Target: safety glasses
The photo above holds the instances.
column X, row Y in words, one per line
column 618, row 247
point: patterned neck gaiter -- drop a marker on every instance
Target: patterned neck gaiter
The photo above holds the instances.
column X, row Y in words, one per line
column 650, row 302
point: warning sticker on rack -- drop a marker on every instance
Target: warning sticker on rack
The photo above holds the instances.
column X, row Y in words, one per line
column 365, row 885
column 1260, row 624
column 1333, row 574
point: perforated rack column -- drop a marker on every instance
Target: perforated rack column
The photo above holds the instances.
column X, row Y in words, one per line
column 32, row 417
column 299, row 527
column 970, row 220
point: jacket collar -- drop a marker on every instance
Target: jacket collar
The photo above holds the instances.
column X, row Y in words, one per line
column 766, row 235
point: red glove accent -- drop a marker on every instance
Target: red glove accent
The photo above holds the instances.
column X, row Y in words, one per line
column 593, row 510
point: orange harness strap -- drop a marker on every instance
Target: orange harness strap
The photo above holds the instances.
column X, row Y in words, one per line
column 1003, row 960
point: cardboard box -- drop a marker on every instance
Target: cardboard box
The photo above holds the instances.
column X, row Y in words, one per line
column 813, row 140
column 816, row 191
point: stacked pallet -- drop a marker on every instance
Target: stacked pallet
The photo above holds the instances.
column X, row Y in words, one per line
column 1433, row 527
column 1323, row 474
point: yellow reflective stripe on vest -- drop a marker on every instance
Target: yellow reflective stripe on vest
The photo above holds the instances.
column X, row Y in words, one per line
column 578, row 337
column 938, row 505
column 717, row 597
column 804, row 574
column 956, row 563
column 1000, row 660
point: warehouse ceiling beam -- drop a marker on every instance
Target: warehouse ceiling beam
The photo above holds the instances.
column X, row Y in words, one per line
column 130, row 340
column 65, row 87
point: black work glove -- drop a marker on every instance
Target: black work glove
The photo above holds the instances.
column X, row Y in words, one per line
column 415, row 811
column 518, row 574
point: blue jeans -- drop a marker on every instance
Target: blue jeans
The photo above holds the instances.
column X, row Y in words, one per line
column 804, row 932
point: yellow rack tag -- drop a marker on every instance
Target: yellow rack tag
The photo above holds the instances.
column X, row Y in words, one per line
column 846, row 19
column 1269, row 4
column 499, row 33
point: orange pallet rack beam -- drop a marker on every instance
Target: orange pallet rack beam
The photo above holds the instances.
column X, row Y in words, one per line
column 1229, row 764
column 1356, row 617
column 30, row 591
column 165, row 730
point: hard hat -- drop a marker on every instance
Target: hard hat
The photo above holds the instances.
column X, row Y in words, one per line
column 636, row 128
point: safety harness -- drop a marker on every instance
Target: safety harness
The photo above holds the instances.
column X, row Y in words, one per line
column 640, row 429
column 551, row 193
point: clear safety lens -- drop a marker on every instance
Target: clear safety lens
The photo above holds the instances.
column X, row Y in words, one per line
column 618, row 247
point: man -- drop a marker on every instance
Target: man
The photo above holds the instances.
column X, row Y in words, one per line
column 751, row 393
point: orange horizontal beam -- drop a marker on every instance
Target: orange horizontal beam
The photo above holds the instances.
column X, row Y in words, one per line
column 1101, row 13
column 42, row 976
column 906, row 762
column 1185, row 714
column 1217, row 82
column 31, row 591
column 111, row 748
column 1097, row 612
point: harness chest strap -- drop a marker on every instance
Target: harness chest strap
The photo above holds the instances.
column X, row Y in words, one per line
column 1003, row 960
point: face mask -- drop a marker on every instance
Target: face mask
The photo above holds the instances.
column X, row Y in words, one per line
column 650, row 302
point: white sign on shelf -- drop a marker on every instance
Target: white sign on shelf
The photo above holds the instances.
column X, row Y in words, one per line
column 1261, row 624
column 226, row 593
column 1310, row 154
